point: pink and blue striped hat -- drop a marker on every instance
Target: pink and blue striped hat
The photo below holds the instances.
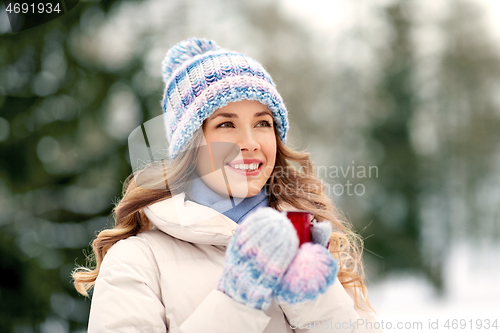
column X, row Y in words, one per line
column 201, row 77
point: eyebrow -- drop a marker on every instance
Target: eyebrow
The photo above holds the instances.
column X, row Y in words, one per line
column 234, row 115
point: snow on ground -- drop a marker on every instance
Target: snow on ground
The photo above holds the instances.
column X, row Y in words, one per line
column 472, row 294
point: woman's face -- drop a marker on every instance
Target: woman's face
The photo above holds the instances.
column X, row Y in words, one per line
column 247, row 127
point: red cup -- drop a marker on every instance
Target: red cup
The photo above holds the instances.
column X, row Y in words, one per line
column 301, row 221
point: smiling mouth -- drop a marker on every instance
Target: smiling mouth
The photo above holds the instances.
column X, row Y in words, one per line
column 246, row 167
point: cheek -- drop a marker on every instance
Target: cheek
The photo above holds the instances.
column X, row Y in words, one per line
column 203, row 158
column 270, row 149
column 200, row 167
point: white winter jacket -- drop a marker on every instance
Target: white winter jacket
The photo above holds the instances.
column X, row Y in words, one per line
column 165, row 279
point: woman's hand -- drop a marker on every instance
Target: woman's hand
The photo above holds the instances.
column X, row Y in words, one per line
column 259, row 253
column 312, row 270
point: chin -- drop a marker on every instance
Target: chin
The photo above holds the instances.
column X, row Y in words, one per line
column 245, row 191
column 254, row 189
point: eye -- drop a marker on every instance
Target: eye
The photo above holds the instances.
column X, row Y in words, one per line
column 227, row 122
column 265, row 123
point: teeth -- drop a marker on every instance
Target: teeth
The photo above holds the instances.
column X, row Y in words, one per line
column 250, row 167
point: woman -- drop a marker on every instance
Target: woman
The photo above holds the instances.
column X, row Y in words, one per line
column 199, row 243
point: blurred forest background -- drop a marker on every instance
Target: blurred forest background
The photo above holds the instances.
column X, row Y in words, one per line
column 411, row 87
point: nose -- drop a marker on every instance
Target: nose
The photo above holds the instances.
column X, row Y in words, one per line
column 247, row 141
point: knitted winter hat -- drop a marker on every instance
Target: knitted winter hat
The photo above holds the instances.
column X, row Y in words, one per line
column 201, row 77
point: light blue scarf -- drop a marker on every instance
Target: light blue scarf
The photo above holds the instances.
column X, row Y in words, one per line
column 204, row 195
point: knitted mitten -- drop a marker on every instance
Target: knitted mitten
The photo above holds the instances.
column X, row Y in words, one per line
column 257, row 256
column 320, row 233
column 312, row 270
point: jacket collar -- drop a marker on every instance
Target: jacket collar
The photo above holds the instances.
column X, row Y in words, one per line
column 192, row 222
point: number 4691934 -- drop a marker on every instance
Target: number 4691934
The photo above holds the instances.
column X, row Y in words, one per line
column 463, row 324
column 31, row 8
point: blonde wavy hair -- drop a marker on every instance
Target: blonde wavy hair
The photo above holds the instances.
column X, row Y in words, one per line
column 295, row 185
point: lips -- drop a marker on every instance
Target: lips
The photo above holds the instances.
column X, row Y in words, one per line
column 248, row 162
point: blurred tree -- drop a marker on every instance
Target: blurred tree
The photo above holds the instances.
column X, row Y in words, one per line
column 59, row 171
column 395, row 215
column 434, row 127
column 457, row 131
